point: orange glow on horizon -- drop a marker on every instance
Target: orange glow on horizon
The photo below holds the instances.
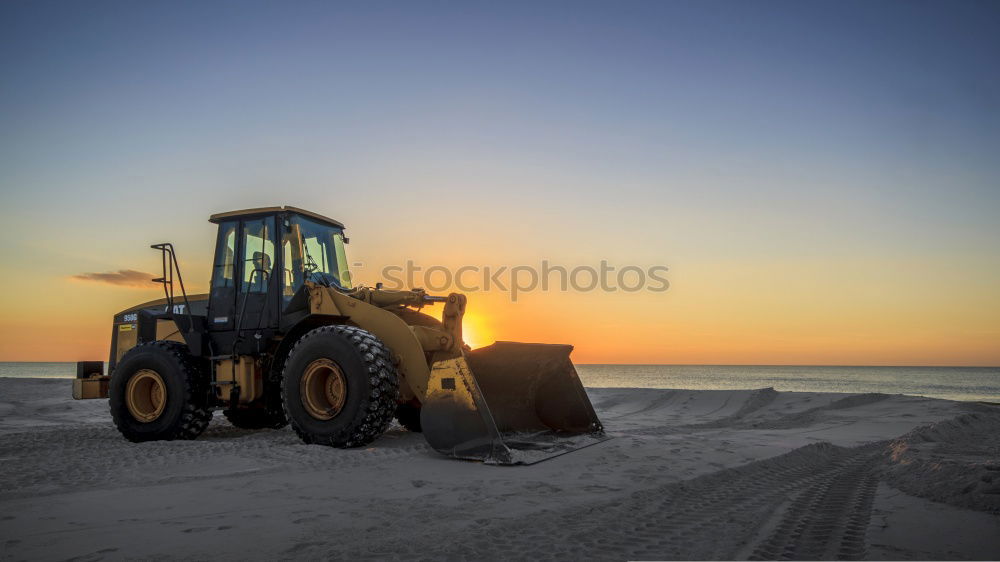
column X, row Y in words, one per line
column 794, row 312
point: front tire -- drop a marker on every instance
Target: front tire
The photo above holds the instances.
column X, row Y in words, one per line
column 339, row 387
column 159, row 392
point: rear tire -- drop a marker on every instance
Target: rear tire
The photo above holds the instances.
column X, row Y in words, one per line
column 339, row 387
column 158, row 391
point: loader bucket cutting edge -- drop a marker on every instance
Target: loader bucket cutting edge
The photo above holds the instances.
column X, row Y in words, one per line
column 509, row 403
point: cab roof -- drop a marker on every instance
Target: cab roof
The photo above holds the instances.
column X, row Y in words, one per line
column 219, row 217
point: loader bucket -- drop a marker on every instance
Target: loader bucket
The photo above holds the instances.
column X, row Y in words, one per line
column 508, row 403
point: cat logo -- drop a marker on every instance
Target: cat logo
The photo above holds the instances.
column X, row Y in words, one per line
column 178, row 309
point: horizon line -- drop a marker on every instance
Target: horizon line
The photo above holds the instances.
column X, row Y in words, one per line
column 791, row 365
column 710, row 365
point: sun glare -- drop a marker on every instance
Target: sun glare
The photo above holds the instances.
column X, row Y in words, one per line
column 474, row 331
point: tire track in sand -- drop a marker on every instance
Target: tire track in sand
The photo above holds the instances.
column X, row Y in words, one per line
column 34, row 461
column 756, row 401
column 826, row 521
column 717, row 516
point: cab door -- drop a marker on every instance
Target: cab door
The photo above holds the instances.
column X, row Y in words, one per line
column 222, row 295
column 259, row 280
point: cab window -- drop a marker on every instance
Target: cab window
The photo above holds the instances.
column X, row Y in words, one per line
column 313, row 251
column 292, row 274
column 225, row 257
column 258, row 255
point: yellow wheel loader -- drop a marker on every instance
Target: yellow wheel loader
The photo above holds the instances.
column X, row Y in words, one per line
column 283, row 337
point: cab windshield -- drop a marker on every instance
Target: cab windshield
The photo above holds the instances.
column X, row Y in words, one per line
column 313, row 251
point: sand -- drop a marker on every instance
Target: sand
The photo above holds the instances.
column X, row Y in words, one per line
column 688, row 475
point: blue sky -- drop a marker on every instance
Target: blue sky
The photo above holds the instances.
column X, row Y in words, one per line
column 896, row 97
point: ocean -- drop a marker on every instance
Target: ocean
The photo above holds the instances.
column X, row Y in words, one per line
column 952, row 383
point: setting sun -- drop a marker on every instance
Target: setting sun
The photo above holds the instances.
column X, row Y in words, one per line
column 475, row 331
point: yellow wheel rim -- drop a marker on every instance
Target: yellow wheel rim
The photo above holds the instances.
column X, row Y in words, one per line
column 146, row 395
column 323, row 389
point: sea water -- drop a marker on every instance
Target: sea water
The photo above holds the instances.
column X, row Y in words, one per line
column 952, row 383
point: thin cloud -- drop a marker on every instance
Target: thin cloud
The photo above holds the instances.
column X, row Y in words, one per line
column 121, row 278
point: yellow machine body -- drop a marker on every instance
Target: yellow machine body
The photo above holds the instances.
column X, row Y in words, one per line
column 507, row 403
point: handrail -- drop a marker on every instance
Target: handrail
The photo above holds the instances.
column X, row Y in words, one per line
column 169, row 266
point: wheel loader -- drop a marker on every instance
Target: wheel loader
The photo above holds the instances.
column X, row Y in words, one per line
column 283, row 337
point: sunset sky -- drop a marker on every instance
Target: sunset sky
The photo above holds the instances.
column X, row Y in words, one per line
column 822, row 179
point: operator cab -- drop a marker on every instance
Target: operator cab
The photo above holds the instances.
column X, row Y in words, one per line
column 262, row 259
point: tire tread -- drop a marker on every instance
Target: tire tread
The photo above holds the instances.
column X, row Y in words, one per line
column 378, row 407
column 196, row 413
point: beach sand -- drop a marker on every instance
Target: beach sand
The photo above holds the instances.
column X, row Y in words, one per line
column 688, row 475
